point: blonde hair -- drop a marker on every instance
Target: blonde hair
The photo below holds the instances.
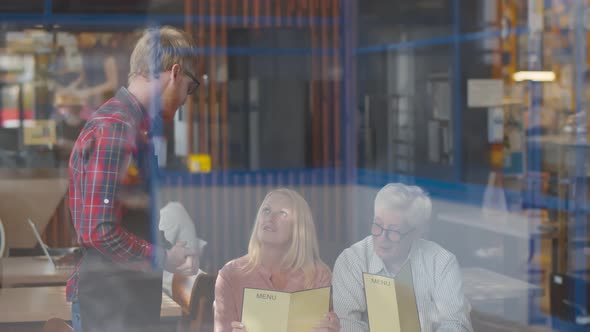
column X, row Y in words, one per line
column 158, row 49
column 303, row 253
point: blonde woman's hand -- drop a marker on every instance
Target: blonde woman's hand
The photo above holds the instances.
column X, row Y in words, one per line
column 330, row 323
column 238, row 327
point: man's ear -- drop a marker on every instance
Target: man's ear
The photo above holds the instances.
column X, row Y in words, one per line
column 175, row 71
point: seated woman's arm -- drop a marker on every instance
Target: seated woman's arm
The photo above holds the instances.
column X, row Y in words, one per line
column 225, row 308
column 449, row 298
column 348, row 296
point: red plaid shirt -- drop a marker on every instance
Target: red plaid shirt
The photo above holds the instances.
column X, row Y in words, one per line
column 98, row 168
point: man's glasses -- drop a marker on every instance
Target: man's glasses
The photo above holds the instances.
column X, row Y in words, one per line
column 392, row 234
column 193, row 86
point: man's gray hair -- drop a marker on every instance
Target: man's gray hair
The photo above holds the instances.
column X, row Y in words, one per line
column 410, row 201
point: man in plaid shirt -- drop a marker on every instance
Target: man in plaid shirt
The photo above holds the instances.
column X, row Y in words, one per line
column 118, row 284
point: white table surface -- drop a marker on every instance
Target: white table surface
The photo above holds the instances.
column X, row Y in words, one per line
column 481, row 285
column 30, row 271
column 506, row 223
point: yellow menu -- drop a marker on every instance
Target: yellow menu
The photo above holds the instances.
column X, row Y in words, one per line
column 274, row 311
column 391, row 302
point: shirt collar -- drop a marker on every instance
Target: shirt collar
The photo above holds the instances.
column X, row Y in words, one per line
column 137, row 111
column 376, row 265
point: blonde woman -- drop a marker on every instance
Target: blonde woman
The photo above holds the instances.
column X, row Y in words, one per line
column 282, row 255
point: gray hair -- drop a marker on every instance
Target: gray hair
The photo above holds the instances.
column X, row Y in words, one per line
column 411, row 201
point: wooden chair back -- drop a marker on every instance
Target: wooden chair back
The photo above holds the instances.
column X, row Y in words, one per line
column 2, row 239
column 195, row 295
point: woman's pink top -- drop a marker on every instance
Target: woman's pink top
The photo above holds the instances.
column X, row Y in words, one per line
column 231, row 281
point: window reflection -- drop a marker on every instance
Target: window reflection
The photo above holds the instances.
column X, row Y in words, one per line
column 333, row 99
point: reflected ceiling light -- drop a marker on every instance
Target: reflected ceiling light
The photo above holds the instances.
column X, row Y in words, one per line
column 535, row 76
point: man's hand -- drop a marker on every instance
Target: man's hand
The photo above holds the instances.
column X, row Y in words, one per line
column 190, row 267
column 177, row 259
column 330, row 323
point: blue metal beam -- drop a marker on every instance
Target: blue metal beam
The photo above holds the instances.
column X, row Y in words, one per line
column 457, row 122
column 134, row 20
column 261, row 51
column 350, row 15
column 47, row 7
column 579, row 219
column 533, row 161
column 454, row 38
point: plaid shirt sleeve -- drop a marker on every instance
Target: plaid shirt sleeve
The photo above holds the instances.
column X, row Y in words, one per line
column 106, row 155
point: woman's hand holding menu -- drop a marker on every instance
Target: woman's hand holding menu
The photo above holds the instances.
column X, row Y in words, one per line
column 238, row 327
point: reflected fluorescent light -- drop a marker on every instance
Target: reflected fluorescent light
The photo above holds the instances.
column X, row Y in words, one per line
column 535, row 76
